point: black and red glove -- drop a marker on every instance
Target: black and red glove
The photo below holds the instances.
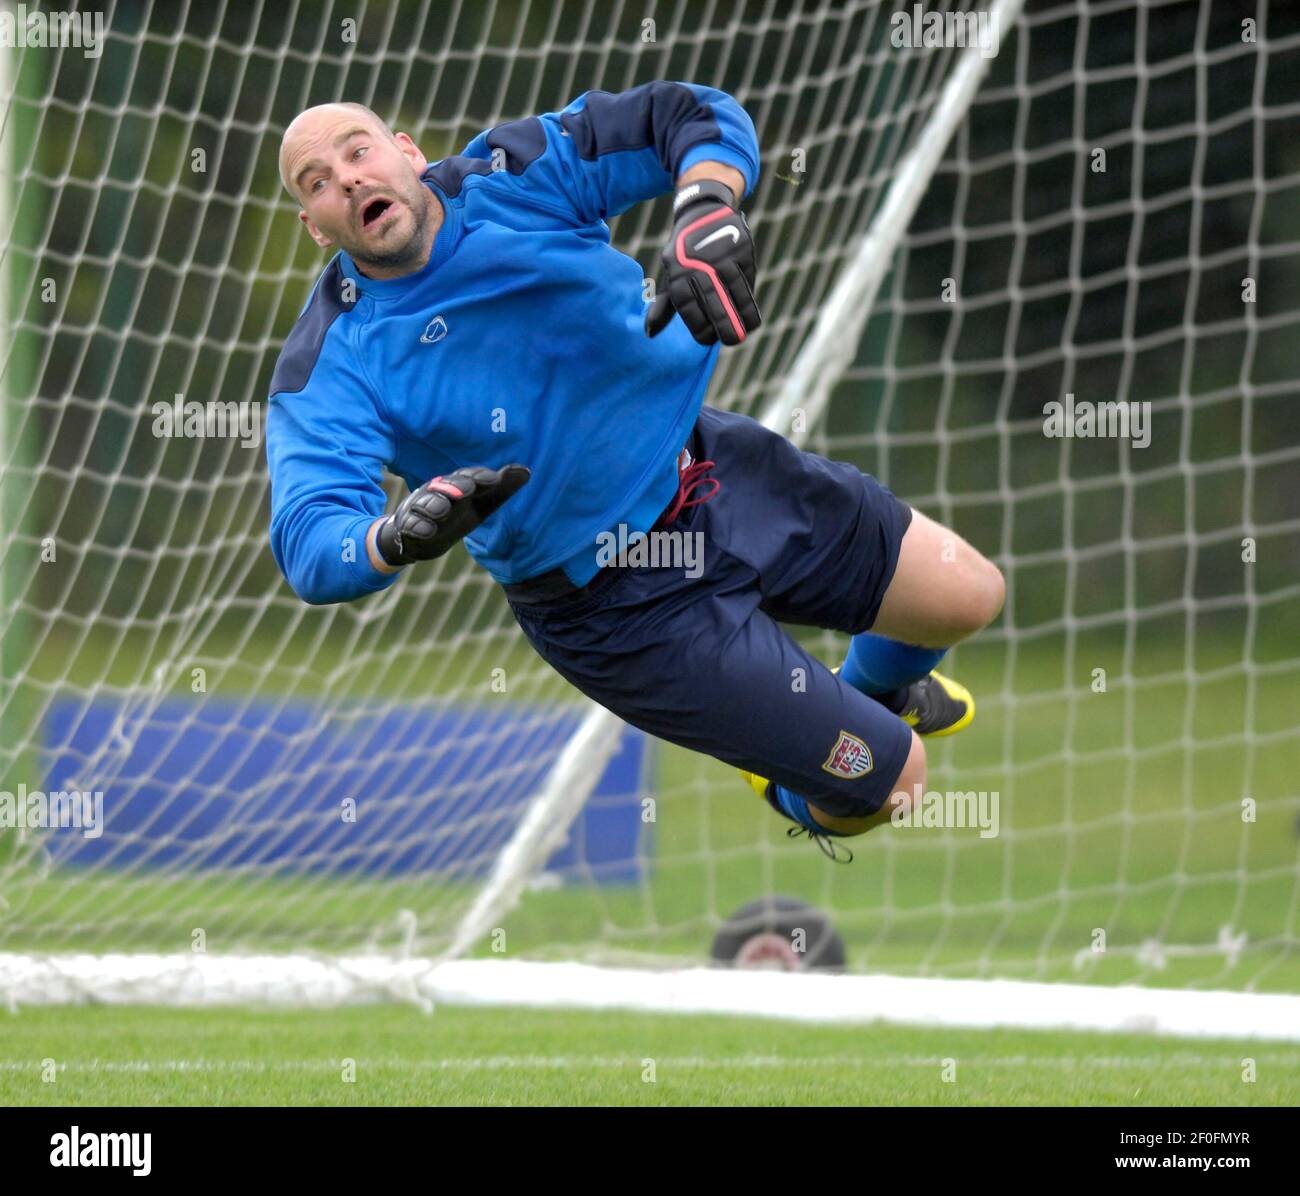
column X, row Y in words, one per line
column 709, row 268
column 443, row 511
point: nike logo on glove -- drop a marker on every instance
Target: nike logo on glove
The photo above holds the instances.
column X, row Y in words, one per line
column 730, row 231
column 713, row 295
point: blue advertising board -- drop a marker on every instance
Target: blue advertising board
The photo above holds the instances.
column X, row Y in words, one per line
column 266, row 785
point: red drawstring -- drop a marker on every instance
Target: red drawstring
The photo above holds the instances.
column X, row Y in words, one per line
column 688, row 479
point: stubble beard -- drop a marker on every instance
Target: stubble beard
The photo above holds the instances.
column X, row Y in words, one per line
column 412, row 249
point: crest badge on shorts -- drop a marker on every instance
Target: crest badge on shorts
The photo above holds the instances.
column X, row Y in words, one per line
column 850, row 758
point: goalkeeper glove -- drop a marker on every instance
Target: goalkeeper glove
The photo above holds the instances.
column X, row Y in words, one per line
column 445, row 510
column 709, row 268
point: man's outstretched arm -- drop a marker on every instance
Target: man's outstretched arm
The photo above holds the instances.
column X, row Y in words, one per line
column 605, row 152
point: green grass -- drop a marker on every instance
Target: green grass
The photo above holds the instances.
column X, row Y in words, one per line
column 114, row 1057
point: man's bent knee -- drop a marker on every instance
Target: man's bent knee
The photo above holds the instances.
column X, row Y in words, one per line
column 942, row 591
column 972, row 603
column 985, row 594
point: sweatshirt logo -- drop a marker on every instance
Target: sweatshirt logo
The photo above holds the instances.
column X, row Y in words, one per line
column 436, row 330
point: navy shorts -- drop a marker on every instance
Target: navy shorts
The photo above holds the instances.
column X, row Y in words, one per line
column 703, row 662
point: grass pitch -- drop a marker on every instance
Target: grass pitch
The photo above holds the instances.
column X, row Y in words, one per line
column 118, row 1056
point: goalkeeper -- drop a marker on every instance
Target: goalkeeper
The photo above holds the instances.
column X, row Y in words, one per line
column 475, row 331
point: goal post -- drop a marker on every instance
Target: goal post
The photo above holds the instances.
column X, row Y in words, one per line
column 1033, row 266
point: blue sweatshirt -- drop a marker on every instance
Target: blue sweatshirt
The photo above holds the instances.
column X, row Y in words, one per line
column 522, row 340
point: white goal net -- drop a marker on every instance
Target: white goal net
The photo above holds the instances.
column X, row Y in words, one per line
column 1065, row 326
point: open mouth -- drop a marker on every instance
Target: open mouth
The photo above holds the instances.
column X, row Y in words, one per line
column 373, row 212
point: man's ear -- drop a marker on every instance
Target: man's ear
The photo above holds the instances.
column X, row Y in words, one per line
column 316, row 235
column 412, row 152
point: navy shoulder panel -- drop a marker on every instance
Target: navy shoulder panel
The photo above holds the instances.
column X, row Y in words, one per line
column 450, row 174
column 302, row 348
column 665, row 115
column 522, row 141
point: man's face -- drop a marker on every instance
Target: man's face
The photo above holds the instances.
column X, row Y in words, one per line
column 359, row 188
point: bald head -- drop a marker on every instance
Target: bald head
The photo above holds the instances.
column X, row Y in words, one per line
column 311, row 122
column 359, row 187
